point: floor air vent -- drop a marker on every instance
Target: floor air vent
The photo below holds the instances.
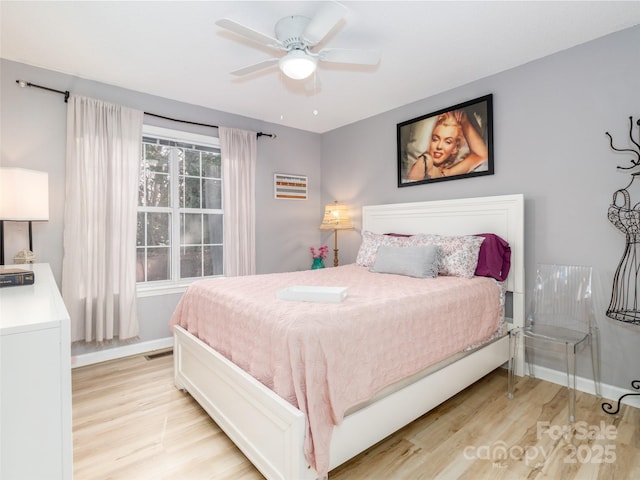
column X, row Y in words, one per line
column 153, row 356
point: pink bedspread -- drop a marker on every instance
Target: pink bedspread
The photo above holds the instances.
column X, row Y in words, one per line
column 325, row 358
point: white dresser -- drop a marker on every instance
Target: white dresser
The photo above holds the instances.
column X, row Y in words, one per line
column 36, row 440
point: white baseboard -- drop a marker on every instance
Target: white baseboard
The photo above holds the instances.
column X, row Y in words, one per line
column 609, row 392
column 114, row 353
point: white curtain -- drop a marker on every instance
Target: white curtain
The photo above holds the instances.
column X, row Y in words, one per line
column 239, row 152
column 99, row 262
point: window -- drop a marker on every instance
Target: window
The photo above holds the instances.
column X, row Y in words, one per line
column 179, row 233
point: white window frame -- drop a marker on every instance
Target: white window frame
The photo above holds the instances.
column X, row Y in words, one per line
column 165, row 287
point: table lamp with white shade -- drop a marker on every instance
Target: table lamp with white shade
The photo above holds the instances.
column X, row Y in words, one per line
column 24, row 197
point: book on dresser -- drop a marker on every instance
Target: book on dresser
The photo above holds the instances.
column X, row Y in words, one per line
column 10, row 276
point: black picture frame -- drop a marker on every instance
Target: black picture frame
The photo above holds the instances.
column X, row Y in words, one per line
column 453, row 151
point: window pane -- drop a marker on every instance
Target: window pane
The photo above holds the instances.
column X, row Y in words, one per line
column 154, row 187
column 158, row 229
column 190, row 262
column 212, row 193
column 140, row 257
column 211, row 165
column 156, row 190
column 157, row 157
column 178, row 156
column 191, row 193
column 160, row 190
column 213, row 260
column 192, row 162
column 140, row 238
column 158, row 264
column 142, row 186
column 191, row 230
column 212, row 229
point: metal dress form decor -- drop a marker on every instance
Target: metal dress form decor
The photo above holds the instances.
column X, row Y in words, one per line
column 625, row 301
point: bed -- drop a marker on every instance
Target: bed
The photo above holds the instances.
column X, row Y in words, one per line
column 273, row 433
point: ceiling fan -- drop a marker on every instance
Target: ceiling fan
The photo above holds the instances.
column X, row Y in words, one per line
column 296, row 35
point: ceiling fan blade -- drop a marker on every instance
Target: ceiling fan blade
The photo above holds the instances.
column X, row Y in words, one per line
column 323, row 22
column 255, row 67
column 249, row 33
column 346, row 55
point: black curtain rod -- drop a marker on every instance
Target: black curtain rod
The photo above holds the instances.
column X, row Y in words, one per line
column 260, row 134
column 66, row 94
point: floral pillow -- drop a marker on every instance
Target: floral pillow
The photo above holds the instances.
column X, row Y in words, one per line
column 458, row 254
column 372, row 241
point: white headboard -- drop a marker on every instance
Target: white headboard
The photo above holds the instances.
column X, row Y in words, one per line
column 502, row 215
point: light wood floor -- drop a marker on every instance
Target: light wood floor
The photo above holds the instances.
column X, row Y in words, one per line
column 129, row 422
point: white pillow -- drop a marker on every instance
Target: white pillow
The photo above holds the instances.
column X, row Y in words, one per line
column 420, row 262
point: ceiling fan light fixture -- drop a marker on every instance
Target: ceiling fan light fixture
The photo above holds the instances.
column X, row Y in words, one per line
column 298, row 65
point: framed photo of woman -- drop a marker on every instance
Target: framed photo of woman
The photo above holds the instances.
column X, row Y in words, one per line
column 452, row 143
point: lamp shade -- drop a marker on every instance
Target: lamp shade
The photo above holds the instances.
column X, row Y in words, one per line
column 24, row 195
column 336, row 217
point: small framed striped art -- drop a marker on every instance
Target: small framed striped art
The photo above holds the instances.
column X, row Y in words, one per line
column 289, row 187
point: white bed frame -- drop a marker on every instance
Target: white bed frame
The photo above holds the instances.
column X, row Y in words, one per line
column 270, row 431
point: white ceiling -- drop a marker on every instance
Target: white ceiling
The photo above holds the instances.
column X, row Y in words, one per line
column 174, row 49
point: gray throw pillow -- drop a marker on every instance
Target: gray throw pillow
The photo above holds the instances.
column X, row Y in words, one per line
column 420, row 262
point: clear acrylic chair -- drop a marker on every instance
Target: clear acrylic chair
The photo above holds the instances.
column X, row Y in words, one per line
column 560, row 319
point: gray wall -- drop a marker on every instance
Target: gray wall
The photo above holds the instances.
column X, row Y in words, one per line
column 33, row 135
column 550, row 118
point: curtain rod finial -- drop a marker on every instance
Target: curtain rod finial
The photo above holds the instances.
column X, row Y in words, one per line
column 22, row 83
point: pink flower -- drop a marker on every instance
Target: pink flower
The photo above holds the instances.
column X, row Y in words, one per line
column 320, row 253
